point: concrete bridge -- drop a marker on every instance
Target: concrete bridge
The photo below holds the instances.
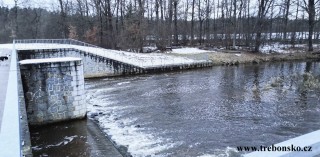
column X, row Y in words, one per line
column 47, row 77
column 105, row 62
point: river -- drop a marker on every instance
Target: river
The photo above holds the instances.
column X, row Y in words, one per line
column 207, row 112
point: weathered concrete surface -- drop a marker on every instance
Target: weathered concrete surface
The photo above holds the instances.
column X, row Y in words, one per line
column 54, row 91
column 24, row 127
column 100, row 145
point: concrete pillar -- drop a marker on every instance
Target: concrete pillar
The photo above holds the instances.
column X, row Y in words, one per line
column 54, row 89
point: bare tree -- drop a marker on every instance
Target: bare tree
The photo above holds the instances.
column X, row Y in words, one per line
column 287, row 4
column 294, row 32
column 169, row 22
column 140, row 24
column 186, row 12
column 132, row 24
column 175, row 6
column 264, row 6
column 234, row 23
column 192, row 22
column 106, row 10
column 201, row 19
column 63, row 15
column 14, row 26
column 208, row 12
column 311, row 11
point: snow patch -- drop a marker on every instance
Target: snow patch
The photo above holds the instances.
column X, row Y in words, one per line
column 279, row 48
column 49, row 60
column 189, row 51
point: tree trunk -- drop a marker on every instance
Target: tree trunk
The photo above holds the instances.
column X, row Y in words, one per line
column 311, row 22
column 63, row 15
column 207, row 21
column 234, row 23
column 140, row 25
column 175, row 5
column 287, row 7
column 110, row 26
column 192, row 22
column 185, row 36
column 157, row 23
column 294, row 33
column 200, row 22
column 264, row 6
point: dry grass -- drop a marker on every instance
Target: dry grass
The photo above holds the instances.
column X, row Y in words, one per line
column 223, row 58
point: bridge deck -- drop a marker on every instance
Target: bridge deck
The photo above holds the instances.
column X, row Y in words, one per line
column 4, row 73
column 145, row 61
column 10, row 120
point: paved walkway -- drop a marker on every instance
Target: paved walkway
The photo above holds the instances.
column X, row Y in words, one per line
column 4, row 73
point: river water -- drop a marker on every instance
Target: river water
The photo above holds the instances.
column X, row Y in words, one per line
column 207, row 112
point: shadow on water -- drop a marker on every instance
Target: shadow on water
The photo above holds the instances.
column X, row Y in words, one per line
column 62, row 139
column 74, row 139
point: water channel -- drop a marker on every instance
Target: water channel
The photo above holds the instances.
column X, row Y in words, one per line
column 203, row 112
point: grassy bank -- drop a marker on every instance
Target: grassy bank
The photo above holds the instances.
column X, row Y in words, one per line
column 229, row 58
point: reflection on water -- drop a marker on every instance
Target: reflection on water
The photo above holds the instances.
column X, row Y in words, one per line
column 62, row 139
column 204, row 112
column 76, row 138
column 208, row 111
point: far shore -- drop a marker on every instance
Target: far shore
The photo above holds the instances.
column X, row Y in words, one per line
column 232, row 58
column 269, row 53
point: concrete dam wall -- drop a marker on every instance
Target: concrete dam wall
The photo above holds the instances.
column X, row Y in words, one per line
column 93, row 66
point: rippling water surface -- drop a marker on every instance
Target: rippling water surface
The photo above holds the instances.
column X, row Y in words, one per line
column 208, row 111
column 203, row 112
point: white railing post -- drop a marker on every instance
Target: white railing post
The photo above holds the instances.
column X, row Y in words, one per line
column 56, row 41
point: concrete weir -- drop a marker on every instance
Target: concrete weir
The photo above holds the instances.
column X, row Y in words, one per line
column 101, row 66
column 54, row 89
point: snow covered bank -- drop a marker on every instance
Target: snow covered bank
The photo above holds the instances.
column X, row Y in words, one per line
column 282, row 48
column 189, row 51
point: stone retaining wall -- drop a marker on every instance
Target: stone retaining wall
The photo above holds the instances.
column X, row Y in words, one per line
column 53, row 91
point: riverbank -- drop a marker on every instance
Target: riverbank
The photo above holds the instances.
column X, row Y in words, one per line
column 234, row 58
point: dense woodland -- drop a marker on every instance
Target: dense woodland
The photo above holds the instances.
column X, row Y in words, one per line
column 133, row 24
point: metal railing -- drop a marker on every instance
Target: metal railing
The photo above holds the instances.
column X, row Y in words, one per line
column 139, row 60
column 54, row 41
